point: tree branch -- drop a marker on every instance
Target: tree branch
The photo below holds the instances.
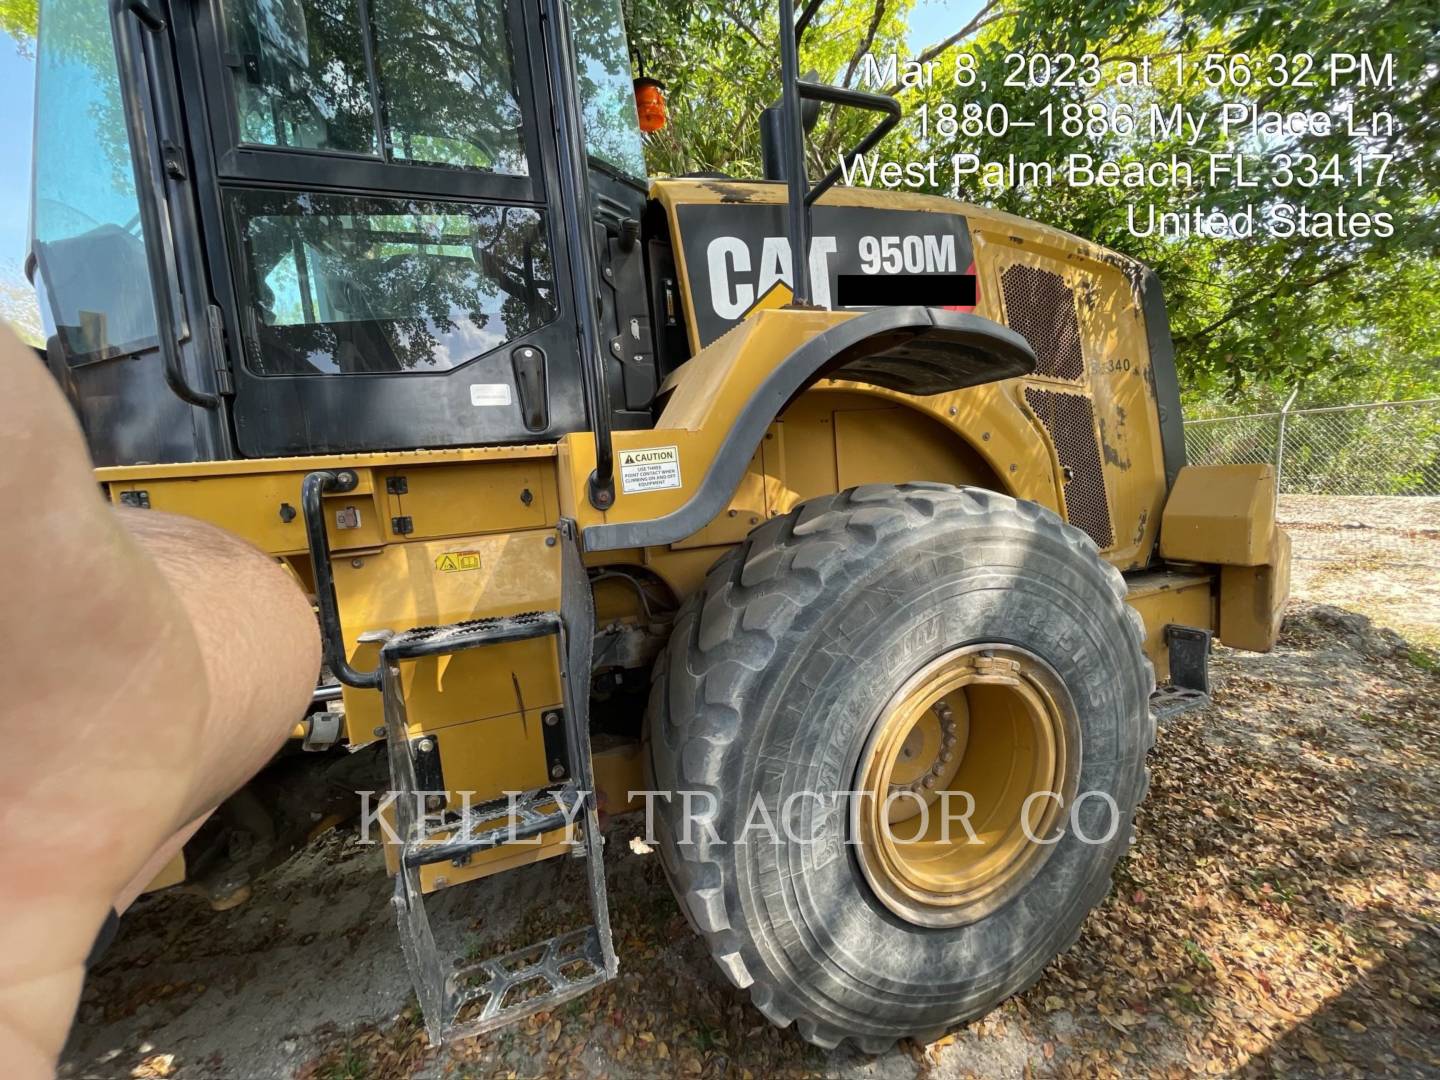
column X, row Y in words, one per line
column 1269, row 294
column 982, row 19
column 862, row 47
column 865, row 43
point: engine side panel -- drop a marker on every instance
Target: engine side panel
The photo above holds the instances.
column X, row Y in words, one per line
column 1099, row 401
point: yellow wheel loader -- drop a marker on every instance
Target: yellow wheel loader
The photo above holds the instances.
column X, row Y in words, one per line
column 882, row 498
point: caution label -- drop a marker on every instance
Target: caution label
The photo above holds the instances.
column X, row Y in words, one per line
column 653, row 469
column 454, row 561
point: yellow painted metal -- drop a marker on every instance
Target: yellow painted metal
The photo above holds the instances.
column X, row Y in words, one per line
column 703, row 406
column 455, row 499
column 682, row 569
column 877, row 442
column 451, row 492
column 1221, row 514
column 711, row 390
column 619, row 774
column 483, row 864
column 478, row 544
column 750, row 505
column 485, row 758
column 1118, row 379
column 172, row 873
column 1252, row 598
column 1163, row 597
column 402, row 585
column 839, row 435
column 397, row 459
column 674, row 193
column 972, row 735
column 252, row 504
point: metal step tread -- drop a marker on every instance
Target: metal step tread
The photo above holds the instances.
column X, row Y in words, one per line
column 1170, row 701
column 492, row 825
column 490, row 993
column 436, row 640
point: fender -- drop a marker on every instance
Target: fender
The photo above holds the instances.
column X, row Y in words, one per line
column 722, row 400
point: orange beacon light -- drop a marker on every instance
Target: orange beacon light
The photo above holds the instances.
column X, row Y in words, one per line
column 650, row 104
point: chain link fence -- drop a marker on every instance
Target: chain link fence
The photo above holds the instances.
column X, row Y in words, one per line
column 1359, row 496
column 1384, row 448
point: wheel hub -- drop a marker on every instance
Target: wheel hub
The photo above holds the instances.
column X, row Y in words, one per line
column 981, row 733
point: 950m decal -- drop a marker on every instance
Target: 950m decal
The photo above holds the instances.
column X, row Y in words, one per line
column 738, row 259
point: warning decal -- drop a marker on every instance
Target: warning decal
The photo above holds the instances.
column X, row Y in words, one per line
column 653, row 469
column 453, row 561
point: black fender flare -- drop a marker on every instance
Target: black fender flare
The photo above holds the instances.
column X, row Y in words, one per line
column 913, row 350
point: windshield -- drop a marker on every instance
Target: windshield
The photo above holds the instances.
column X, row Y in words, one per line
column 607, row 95
column 85, row 219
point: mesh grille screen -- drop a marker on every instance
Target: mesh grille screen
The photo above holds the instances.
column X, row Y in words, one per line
column 1070, row 422
column 1040, row 307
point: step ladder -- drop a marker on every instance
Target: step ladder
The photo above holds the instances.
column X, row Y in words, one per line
column 461, row 999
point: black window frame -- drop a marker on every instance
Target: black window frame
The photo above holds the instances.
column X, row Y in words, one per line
column 255, row 164
column 247, row 305
column 240, row 165
column 284, row 414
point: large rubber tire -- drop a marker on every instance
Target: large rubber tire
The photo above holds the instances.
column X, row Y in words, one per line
column 778, row 667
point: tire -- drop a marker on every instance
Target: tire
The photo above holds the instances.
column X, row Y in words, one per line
column 778, row 667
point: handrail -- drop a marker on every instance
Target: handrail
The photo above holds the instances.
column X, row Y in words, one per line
column 803, row 23
column 312, row 509
column 798, row 222
column 131, row 58
column 791, row 157
column 860, row 99
column 579, row 228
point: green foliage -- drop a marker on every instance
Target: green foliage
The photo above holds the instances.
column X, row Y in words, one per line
column 1344, row 318
column 1426, row 661
column 19, row 19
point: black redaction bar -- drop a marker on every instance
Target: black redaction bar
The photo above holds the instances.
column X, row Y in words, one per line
column 890, row 290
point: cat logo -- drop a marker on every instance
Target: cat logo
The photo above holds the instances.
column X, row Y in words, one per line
column 454, row 561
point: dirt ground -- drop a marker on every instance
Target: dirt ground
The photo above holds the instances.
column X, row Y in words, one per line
column 1376, row 556
column 1277, row 914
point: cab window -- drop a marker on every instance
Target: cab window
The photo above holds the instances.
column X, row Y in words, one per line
column 85, row 220
column 447, row 83
column 342, row 285
column 425, row 82
column 298, row 74
column 607, row 95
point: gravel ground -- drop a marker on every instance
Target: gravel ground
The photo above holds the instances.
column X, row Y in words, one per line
column 1276, row 915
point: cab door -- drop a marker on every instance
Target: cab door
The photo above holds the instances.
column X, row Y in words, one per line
column 377, row 222
column 131, row 334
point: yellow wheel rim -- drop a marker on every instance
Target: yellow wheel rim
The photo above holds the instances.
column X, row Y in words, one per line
column 985, row 735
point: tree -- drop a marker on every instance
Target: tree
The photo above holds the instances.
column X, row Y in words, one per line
column 1249, row 316
column 20, row 19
